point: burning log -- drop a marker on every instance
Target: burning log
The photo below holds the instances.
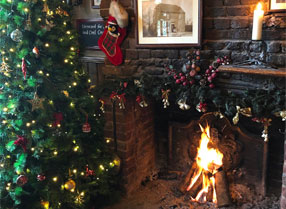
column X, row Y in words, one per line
column 221, row 189
column 196, row 187
column 186, row 181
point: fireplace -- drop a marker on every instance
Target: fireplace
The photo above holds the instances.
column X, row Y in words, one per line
column 158, row 148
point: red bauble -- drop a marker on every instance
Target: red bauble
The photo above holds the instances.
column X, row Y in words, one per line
column 211, row 85
column 214, row 75
column 41, row 177
column 21, row 180
column 178, row 81
column 86, row 128
column 185, row 83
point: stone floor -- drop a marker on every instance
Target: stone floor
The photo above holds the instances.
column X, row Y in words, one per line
column 162, row 194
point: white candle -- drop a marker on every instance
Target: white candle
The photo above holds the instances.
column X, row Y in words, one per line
column 257, row 22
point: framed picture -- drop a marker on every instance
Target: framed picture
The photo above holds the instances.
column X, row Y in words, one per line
column 95, row 4
column 277, row 5
column 168, row 23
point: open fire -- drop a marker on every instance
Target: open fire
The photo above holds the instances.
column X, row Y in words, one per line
column 206, row 180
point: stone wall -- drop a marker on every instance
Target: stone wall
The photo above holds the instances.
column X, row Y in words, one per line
column 227, row 29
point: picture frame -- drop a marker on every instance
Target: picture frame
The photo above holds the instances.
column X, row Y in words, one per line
column 95, row 4
column 277, row 5
column 168, row 23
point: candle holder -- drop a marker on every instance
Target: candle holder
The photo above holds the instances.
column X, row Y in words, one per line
column 256, row 52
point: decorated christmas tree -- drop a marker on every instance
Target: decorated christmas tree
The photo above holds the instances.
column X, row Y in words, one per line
column 52, row 149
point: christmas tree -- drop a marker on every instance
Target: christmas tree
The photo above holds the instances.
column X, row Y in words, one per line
column 52, row 149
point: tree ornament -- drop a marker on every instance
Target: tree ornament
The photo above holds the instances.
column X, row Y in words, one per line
column 58, row 116
column 45, row 204
column 21, row 180
column 201, row 107
column 165, row 97
column 24, row 68
column 16, row 35
column 86, row 126
column 5, row 68
column 182, row 104
column 36, row 52
column 41, row 177
column 89, row 172
column 102, row 105
column 70, row 185
column 66, row 93
column 21, row 141
column 114, row 33
column 122, row 100
column 137, row 83
column 36, row 102
column 244, row 111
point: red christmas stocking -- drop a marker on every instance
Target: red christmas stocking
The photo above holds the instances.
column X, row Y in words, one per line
column 111, row 40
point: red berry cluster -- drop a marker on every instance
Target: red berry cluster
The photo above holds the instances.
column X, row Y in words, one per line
column 191, row 73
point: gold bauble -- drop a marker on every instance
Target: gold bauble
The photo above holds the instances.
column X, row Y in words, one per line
column 45, row 204
column 70, row 185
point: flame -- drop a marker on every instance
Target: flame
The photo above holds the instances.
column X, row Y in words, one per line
column 209, row 160
column 259, row 6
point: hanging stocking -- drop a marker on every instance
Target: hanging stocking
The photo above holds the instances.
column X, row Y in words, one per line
column 114, row 33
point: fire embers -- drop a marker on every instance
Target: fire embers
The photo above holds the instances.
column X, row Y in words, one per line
column 206, row 181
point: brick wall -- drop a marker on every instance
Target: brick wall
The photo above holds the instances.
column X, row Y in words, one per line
column 227, row 29
column 135, row 141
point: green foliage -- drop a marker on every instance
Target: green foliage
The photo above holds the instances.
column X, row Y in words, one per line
column 51, row 142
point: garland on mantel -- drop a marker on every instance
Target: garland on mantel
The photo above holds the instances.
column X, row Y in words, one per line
column 190, row 86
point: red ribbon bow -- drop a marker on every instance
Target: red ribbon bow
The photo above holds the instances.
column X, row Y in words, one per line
column 89, row 172
column 58, row 118
column 138, row 99
column 21, row 141
column 113, row 95
column 121, row 97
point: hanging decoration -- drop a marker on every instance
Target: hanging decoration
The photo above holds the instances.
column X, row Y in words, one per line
column 36, row 52
column 244, row 111
column 36, row 102
column 165, row 97
column 201, row 107
column 45, row 204
column 120, row 97
column 24, row 68
column 101, row 105
column 86, row 126
column 22, row 142
column 89, row 172
column 70, row 185
column 16, row 35
column 5, row 68
column 114, row 33
column 266, row 123
column 183, row 105
column 141, row 101
column 58, row 117
column 21, row 180
column 41, row 177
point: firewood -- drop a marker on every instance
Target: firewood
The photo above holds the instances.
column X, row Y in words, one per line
column 186, row 181
column 222, row 190
column 196, row 187
column 210, row 194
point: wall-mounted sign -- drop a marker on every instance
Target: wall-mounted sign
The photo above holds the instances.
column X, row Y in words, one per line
column 90, row 30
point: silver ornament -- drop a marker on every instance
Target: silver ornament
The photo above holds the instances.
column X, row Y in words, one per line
column 16, row 35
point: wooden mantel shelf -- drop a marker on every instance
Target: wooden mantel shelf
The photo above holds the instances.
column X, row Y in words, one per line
column 253, row 69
